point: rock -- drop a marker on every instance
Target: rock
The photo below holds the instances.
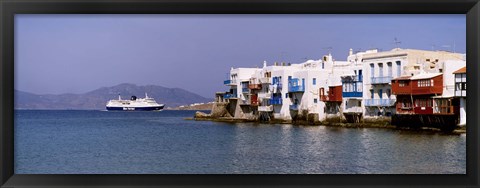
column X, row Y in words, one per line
column 199, row 114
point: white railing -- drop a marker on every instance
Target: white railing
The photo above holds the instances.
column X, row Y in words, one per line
column 264, row 95
column 265, row 108
column 265, row 80
column 356, row 109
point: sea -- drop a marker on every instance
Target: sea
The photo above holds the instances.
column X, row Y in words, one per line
column 106, row 142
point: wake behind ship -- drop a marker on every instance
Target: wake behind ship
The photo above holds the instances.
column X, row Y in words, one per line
column 134, row 104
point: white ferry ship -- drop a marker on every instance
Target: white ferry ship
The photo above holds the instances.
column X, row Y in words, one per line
column 134, row 104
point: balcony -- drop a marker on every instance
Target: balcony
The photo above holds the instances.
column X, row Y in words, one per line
column 294, row 86
column 276, row 101
column 265, row 108
column 254, row 86
column 265, row 95
column 265, row 80
column 333, row 95
column 355, row 109
column 229, row 96
column 254, row 100
column 352, row 94
column 352, row 78
column 381, row 80
column 294, row 107
column 227, row 82
column 294, row 89
column 245, row 90
column 379, row 102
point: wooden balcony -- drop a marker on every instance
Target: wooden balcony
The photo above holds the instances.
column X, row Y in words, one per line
column 254, row 86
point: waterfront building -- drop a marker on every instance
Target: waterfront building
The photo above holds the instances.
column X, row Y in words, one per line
column 461, row 93
column 428, row 98
column 352, row 87
column 238, row 81
column 360, row 87
column 381, row 67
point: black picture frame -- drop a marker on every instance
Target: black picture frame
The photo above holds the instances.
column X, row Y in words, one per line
column 9, row 8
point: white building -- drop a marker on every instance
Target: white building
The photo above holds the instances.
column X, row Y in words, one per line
column 319, row 89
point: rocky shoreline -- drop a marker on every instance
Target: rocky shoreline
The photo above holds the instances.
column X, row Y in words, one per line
column 329, row 122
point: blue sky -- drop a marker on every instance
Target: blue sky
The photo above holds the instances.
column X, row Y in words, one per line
column 78, row 53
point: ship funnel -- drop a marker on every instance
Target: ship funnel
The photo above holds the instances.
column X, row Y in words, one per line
column 119, row 97
column 146, row 96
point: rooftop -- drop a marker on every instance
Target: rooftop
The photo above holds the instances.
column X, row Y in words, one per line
column 425, row 76
column 461, row 70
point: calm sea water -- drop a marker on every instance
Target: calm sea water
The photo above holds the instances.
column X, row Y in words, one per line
column 100, row 142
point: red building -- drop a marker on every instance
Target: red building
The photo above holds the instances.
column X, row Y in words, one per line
column 414, row 93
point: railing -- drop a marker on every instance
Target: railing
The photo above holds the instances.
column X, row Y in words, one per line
column 294, row 107
column 356, row 109
column 265, row 80
column 254, row 86
column 461, row 93
column 323, row 98
column 352, row 94
column 265, row 95
column 297, row 88
column 445, row 110
column 381, row 80
column 245, row 90
column 276, row 88
column 352, row 78
column 227, row 82
column 276, row 101
column 379, row 102
column 265, row 108
column 229, row 96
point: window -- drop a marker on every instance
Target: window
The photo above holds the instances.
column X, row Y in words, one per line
column 399, row 69
column 372, row 70
column 315, row 100
column 323, row 65
column 286, row 95
column 380, row 70
column 389, row 69
column 425, row 83
column 402, row 83
column 380, row 93
column 314, row 81
column 388, row 93
column 371, row 93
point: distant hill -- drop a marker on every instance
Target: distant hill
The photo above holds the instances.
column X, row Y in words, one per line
column 96, row 99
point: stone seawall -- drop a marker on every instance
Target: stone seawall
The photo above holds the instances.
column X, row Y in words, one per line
column 222, row 112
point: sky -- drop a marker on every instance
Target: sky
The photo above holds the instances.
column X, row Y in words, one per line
column 57, row 54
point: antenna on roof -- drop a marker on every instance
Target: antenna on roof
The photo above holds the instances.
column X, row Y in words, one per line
column 454, row 46
column 396, row 42
column 446, row 46
column 282, row 56
column 329, row 48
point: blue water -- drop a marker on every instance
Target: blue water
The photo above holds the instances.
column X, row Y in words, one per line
column 100, row 142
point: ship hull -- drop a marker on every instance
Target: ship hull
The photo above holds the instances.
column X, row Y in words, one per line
column 149, row 108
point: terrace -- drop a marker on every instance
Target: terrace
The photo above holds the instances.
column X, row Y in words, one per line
column 379, row 102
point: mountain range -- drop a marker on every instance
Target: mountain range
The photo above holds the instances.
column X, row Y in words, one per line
column 97, row 99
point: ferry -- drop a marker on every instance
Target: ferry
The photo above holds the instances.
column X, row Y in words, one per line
column 134, row 104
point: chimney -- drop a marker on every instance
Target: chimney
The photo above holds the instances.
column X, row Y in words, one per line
column 275, row 63
column 350, row 52
column 283, row 63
